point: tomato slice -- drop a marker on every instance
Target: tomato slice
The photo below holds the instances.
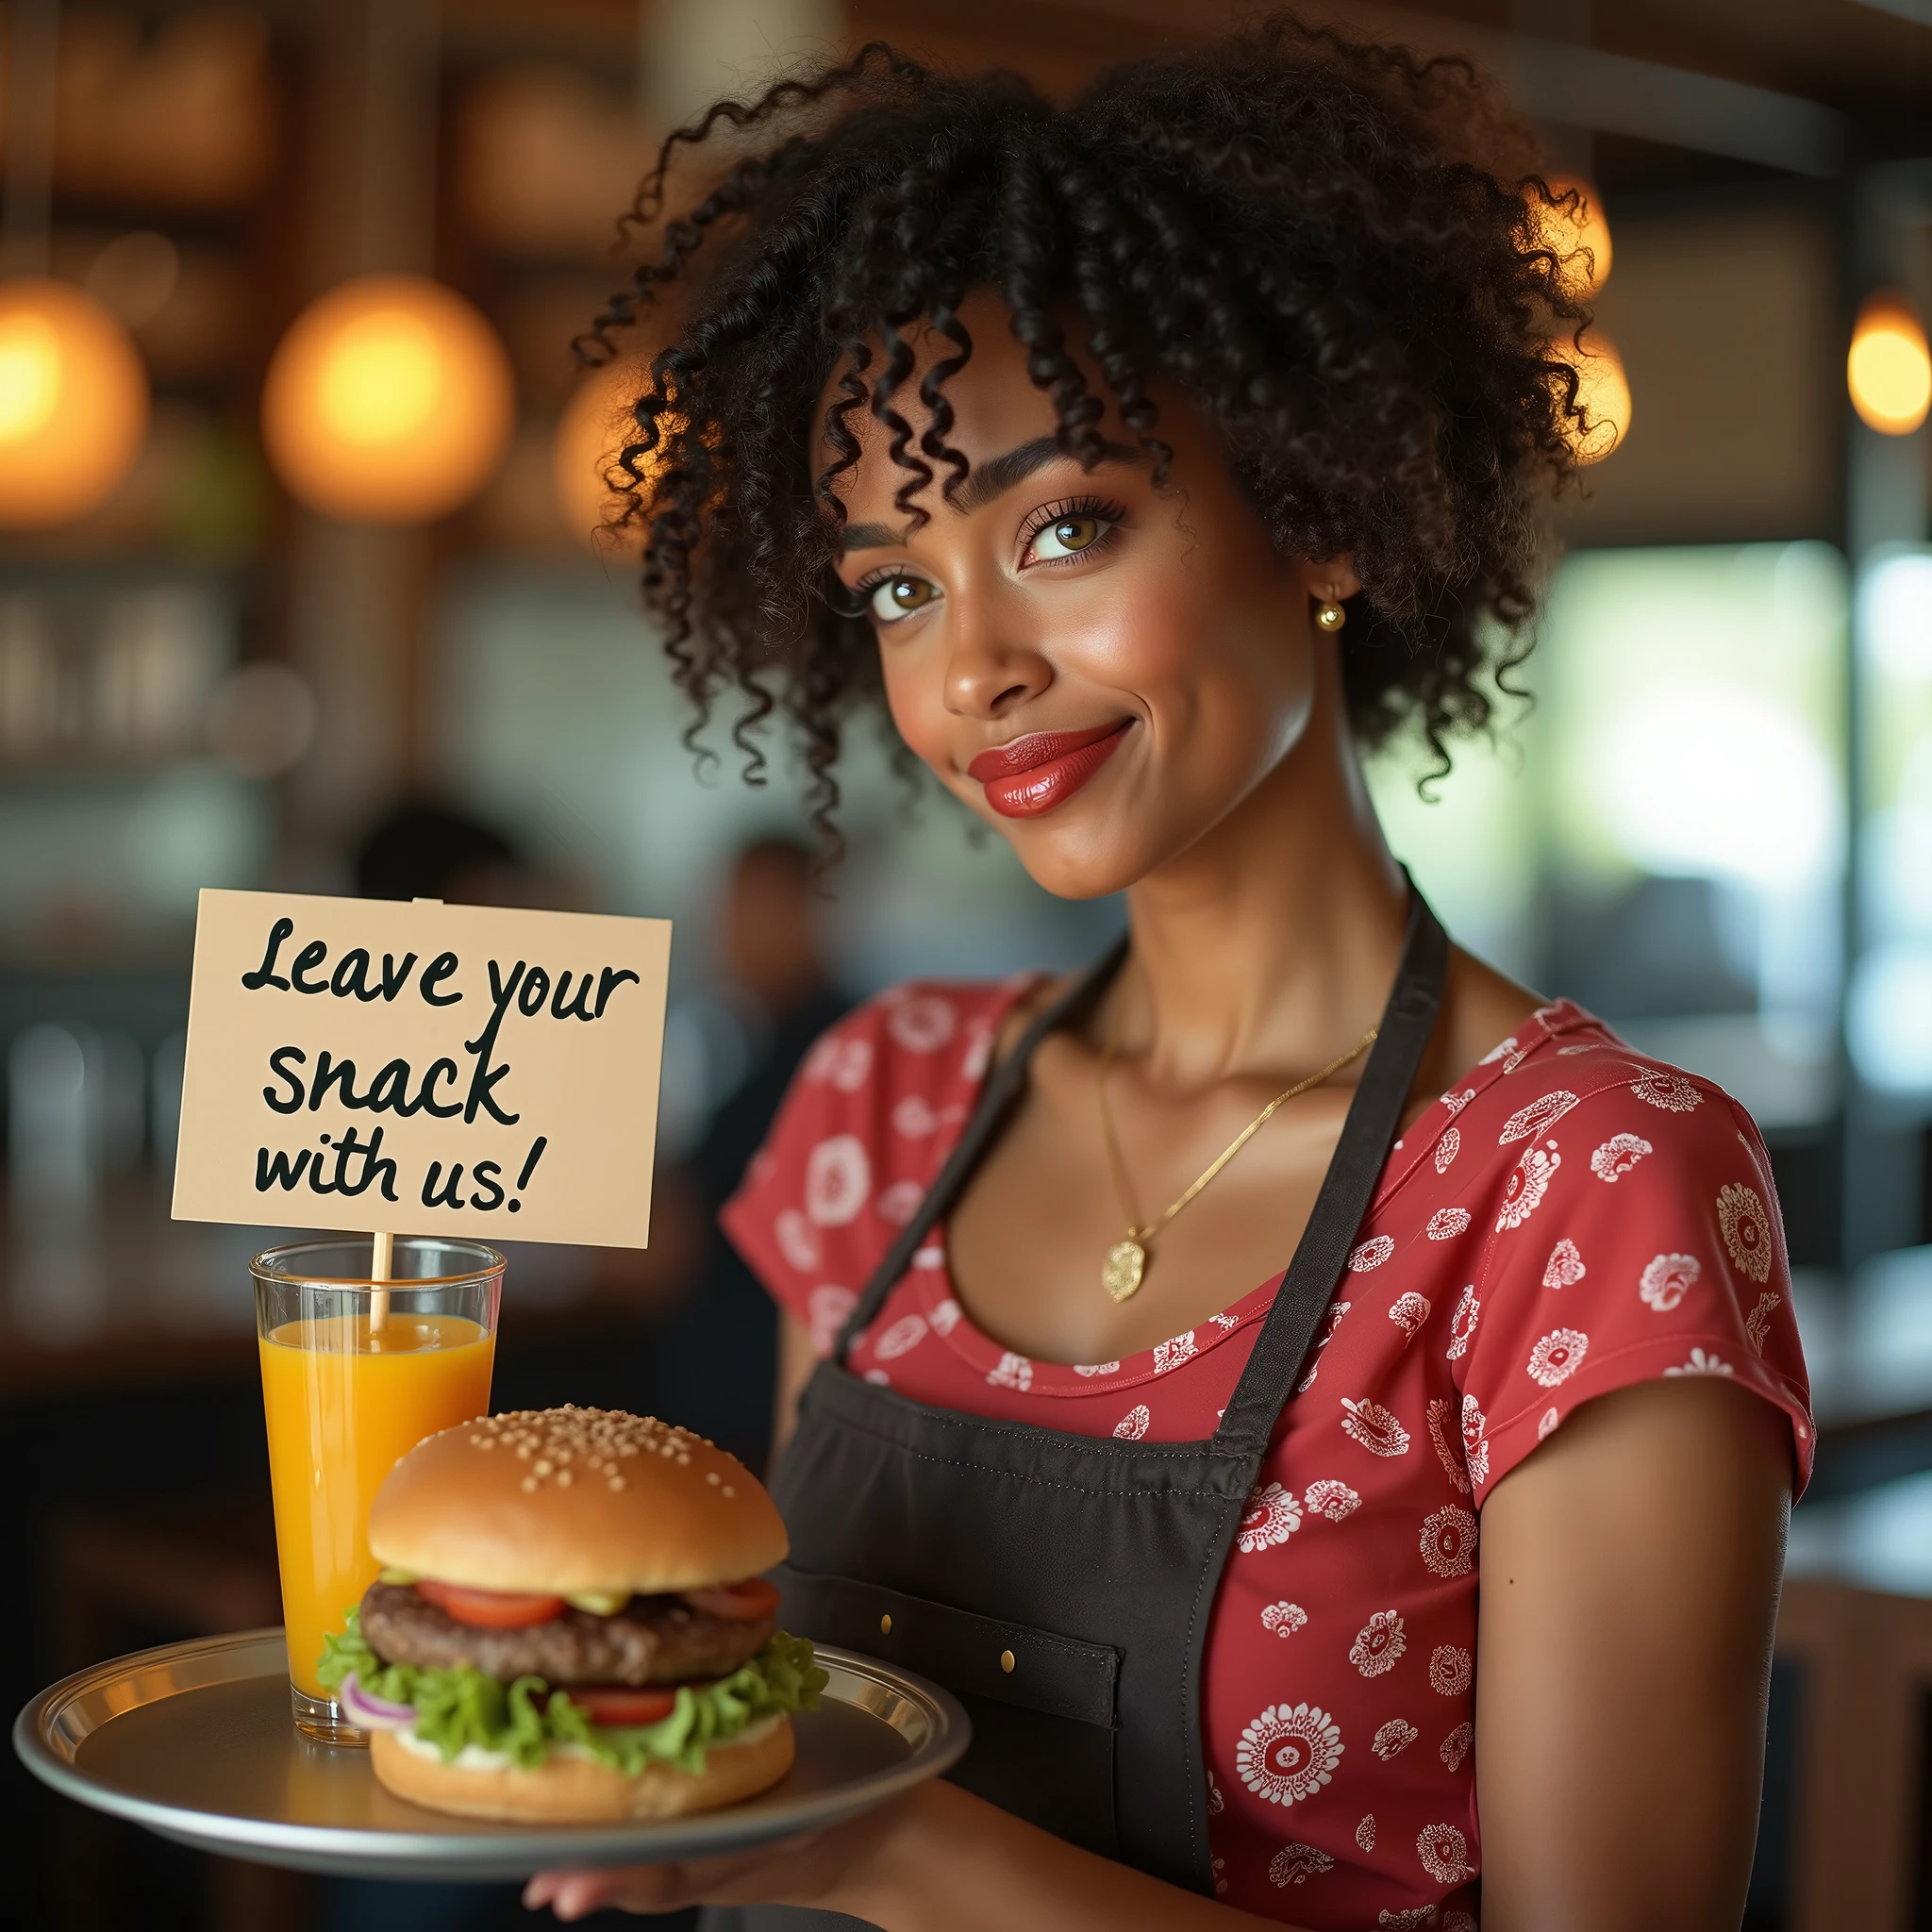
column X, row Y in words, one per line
column 489, row 1609
column 622, row 1704
column 738, row 1603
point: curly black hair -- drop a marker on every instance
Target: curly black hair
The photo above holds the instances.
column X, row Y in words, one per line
column 1300, row 233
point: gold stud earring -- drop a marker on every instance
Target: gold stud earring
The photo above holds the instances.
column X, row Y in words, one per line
column 1329, row 615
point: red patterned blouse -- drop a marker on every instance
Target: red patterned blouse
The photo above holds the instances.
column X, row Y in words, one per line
column 1568, row 1219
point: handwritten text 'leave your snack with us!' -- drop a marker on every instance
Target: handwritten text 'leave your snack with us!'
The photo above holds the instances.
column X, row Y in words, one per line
column 358, row 1064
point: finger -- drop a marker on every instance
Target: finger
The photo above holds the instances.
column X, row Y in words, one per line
column 735, row 1878
column 633, row 1889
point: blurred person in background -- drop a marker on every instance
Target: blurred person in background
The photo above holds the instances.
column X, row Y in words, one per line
column 1150, row 455
column 716, row 1358
column 421, row 849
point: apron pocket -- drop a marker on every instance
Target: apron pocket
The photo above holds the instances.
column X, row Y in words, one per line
column 1041, row 1706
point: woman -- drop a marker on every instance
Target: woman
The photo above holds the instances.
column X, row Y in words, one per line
column 1149, row 457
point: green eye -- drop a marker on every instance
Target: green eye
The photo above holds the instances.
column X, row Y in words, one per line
column 897, row 597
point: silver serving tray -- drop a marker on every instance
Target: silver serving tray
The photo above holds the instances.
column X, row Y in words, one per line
column 195, row 1741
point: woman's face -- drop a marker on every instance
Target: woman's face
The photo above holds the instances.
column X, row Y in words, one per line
column 1104, row 670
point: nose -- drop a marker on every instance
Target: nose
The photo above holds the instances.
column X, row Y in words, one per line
column 991, row 670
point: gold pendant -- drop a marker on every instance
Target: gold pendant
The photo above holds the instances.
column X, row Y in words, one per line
column 1126, row 1262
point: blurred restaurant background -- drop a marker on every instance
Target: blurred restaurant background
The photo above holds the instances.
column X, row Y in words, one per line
column 301, row 586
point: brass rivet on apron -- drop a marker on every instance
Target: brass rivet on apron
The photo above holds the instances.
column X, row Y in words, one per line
column 1007, row 1661
column 886, row 1624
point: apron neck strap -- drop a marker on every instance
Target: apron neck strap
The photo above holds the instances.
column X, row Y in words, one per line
column 1374, row 1116
column 1008, row 1079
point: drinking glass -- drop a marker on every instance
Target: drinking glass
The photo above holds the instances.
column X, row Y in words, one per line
column 354, row 1373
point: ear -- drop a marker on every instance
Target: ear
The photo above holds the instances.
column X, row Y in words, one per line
column 1331, row 579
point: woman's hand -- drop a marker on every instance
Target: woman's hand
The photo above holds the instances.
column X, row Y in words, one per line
column 935, row 1861
column 809, row 1870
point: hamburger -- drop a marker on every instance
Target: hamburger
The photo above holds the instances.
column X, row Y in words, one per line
column 570, row 1625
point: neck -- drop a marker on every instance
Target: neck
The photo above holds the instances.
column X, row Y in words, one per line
column 1271, row 943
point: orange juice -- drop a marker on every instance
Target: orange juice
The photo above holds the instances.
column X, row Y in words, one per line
column 342, row 1405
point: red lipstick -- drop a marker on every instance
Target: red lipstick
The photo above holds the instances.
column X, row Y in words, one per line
column 1034, row 774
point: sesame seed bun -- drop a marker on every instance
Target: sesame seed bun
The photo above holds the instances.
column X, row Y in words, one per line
column 570, row 1500
column 578, row 1791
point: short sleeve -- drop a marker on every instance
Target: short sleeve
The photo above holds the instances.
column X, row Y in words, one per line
column 1636, row 1236
column 802, row 1216
column 871, row 1111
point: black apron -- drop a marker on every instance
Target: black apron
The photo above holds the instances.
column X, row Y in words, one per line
column 1061, row 1585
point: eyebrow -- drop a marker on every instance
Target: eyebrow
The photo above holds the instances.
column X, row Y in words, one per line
column 985, row 484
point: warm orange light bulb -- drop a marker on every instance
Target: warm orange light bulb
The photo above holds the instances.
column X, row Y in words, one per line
column 381, row 379
column 73, row 403
column 1578, row 236
column 594, row 427
column 389, row 401
column 29, row 375
column 1889, row 370
column 1603, row 395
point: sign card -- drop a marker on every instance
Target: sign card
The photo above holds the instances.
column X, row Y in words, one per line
column 422, row 1069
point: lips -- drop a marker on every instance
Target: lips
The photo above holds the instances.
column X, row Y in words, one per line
column 1034, row 774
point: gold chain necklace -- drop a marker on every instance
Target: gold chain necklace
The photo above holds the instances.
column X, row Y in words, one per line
column 1126, row 1261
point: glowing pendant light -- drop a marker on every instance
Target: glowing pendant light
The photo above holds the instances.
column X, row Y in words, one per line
column 1889, row 370
column 73, row 403
column 1579, row 237
column 594, row 427
column 73, row 399
column 1603, row 395
column 389, row 401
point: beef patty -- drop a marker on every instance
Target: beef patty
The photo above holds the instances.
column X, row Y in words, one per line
column 653, row 1639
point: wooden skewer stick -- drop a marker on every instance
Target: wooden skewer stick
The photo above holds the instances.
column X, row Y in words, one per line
column 381, row 1267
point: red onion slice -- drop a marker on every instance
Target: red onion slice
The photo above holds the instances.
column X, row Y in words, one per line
column 369, row 1713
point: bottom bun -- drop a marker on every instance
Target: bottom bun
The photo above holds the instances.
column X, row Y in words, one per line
column 579, row 1791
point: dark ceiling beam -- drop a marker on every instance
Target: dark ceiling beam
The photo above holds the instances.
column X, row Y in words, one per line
column 1613, row 93
column 1572, row 85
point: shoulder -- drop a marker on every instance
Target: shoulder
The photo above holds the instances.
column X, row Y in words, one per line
column 923, row 1034
column 904, row 1062
column 1567, row 1088
column 1576, row 1135
column 876, row 1104
column 1631, row 1231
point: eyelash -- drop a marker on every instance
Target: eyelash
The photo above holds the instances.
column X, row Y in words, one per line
column 1112, row 514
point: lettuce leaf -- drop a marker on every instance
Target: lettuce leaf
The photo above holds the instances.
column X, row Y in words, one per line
column 527, row 1721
